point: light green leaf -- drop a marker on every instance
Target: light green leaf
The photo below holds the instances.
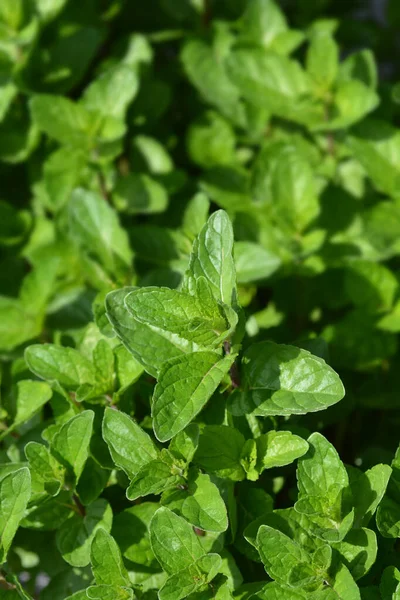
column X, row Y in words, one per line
column 201, row 503
column 103, row 360
column 368, row 490
column 253, row 262
column 96, row 229
column 106, row 560
column 283, row 180
column 285, row 561
column 130, row 447
column 262, row 22
column 278, row 448
column 324, row 492
column 153, row 154
column 15, row 491
column 109, row 592
column 156, row 476
column 212, row 257
column 45, row 470
column 185, row 582
column 139, row 194
column 148, row 347
column 184, row 386
column 376, row 144
column 61, row 174
column 211, row 141
column 16, row 324
column 195, row 215
column 321, row 468
column 185, row 443
column 75, row 536
column 171, row 312
column 284, row 380
column 360, row 65
column 210, row 78
column 174, row 543
column 71, row 444
column 112, row 92
column 220, row 450
column 353, row 101
column 127, row 367
column 30, row 397
column 56, row 363
column 342, row 585
column 62, row 119
column 323, row 61
column 275, row 83
column 358, row 551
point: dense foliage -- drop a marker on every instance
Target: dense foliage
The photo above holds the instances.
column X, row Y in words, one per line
column 199, row 247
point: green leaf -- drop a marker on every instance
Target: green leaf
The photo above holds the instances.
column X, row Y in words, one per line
column 30, row 397
column 171, row 312
column 130, row 447
column 278, row 448
column 106, row 560
column 61, row 174
column 45, row 470
column 275, row 83
column 75, row 536
column 96, row 229
column 284, row 380
column 185, row 443
column 131, row 531
column 262, row 22
column 358, row 551
column 156, row 476
column 283, row 181
column 390, row 584
column 174, row 543
column 185, row 582
column 212, row 257
column 62, row 119
column 109, row 592
column 275, row 591
column 376, row 144
column 210, row 78
column 92, row 481
column 127, row 367
column 56, row 363
column 371, row 285
column 201, row 503
column 220, row 450
column 353, row 101
column 285, row 561
column 368, row 490
column 70, row 445
column 138, row 194
column 147, row 346
column 324, row 492
column 15, row 491
column 184, row 386
column 110, row 94
column 211, row 141
column 388, row 513
column 323, row 61
column 253, row 262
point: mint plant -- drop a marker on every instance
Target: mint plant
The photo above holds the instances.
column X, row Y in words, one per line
column 199, row 300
